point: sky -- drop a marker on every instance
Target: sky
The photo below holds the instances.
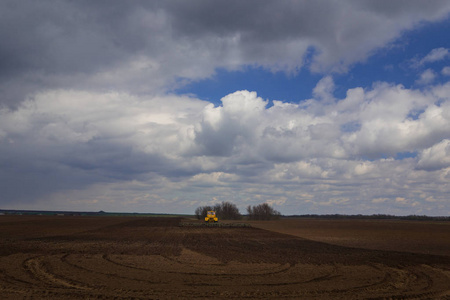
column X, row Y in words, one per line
column 315, row 107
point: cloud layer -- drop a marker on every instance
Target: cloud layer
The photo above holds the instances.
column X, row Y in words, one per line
column 147, row 47
column 89, row 120
column 309, row 156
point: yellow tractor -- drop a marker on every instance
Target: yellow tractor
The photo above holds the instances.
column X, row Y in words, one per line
column 211, row 217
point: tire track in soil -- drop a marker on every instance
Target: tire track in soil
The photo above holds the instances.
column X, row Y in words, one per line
column 39, row 270
column 383, row 286
column 170, row 270
column 54, row 286
column 109, row 274
column 11, row 280
column 14, row 276
column 329, row 276
column 426, row 284
column 263, row 278
column 280, row 268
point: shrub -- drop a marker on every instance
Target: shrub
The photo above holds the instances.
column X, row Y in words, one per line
column 262, row 212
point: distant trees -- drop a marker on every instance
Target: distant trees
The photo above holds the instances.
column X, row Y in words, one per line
column 262, row 212
column 224, row 211
column 229, row 211
column 374, row 217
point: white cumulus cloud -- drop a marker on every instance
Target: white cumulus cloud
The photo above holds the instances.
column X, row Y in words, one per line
column 435, row 157
column 436, row 55
column 165, row 148
column 426, row 77
column 446, row 71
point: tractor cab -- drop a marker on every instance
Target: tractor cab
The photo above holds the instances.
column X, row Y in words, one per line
column 211, row 217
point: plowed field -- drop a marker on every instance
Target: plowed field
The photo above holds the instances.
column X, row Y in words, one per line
column 155, row 258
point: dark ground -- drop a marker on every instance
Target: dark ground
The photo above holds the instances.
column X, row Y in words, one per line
column 50, row 257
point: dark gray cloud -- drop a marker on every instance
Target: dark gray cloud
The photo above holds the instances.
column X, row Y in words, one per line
column 143, row 46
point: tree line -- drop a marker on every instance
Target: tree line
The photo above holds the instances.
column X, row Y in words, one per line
column 372, row 217
column 229, row 211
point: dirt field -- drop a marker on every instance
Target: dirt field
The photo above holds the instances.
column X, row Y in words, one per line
column 154, row 258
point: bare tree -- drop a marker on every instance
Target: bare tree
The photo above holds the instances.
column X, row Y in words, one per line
column 262, row 212
column 227, row 211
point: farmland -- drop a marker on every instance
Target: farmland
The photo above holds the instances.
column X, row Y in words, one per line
column 98, row 257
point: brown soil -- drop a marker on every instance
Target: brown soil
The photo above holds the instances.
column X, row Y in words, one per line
column 154, row 258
